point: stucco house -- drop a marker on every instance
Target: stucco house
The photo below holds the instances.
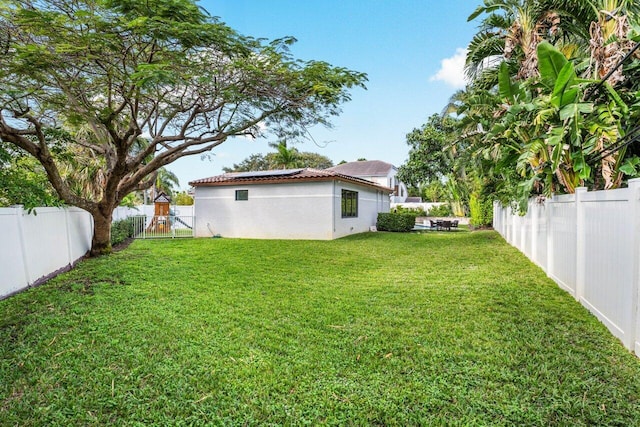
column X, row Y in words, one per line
column 382, row 173
column 287, row 204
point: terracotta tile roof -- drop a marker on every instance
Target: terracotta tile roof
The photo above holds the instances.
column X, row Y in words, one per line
column 364, row 168
column 282, row 175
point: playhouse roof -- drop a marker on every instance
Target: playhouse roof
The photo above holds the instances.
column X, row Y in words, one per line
column 283, row 176
column 162, row 198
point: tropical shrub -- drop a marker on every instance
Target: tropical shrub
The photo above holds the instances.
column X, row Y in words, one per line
column 441, row 210
column 481, row 211
column 410, row 211
column 184, row 199
column 122, row 230
column 396, row 221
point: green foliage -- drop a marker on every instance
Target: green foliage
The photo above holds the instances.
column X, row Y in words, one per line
column 165, row 182
column 122, row 230
column 432, row 329
column 23, row 181
column 314, row 160
column 270, row 161
column 130, row 200
column 536, row 124
column 434, row 191
column 481, row 211
column 443, row 210
column 400, row 222
column 428, row 158
column 255, row 162
column 411, row 211
column 183, row 199
column 550, row 64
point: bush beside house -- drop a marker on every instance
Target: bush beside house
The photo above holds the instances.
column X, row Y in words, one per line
column 396, row 221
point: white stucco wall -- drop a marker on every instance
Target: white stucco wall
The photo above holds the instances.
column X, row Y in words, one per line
column 309, row 210
column 273, row 211
column 370, row 202
column 390, row 180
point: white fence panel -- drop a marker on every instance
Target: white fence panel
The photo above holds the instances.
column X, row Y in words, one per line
column 562, row 244
column 13, row 275
column 539, row 232
column 589, row 243
column 123, row 212
column 634, row 200
column 526, row 234
column 80, row 232
column 508, row 225
column 35, row 246
column 46, row 242
column 609, row 258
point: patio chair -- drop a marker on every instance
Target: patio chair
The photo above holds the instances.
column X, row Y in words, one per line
column 454, row 223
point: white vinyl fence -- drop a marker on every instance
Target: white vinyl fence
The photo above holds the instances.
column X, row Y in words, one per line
column 588, row 243
column 35, row 247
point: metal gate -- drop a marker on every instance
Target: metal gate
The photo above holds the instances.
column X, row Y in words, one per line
column 167, row 227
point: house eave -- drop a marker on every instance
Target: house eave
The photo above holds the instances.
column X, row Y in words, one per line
column 236, row 183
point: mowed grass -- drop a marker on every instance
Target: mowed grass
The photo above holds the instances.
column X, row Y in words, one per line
column 375, row 329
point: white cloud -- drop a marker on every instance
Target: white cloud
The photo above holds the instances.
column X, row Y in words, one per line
column 452, row 70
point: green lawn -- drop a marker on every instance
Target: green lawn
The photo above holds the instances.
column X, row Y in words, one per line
column 384, row 329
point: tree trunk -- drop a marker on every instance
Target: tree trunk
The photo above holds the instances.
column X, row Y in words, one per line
column 101, row 242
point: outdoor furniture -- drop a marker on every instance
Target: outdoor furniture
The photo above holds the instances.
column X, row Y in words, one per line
column 445, row 225
column 434, row 224
column 454, row 223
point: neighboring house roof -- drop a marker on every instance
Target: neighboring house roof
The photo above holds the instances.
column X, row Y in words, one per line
column 364, row 168
column 413, row 200
column 282, row 176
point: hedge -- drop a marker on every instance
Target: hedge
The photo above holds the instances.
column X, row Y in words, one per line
column 395, row 221
column 122, row 230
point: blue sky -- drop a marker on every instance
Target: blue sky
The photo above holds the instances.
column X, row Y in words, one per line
column 411, row 50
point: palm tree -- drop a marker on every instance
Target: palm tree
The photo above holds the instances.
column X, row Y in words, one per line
column 164, row 182
column 510, row 32
column 608, row 38
column 285, row 158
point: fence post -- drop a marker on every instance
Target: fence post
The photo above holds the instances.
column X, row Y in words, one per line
column 549, row 265
column 580, row 243
column 634, row 200
column 534, row 210
column 25, row 258
column 68, row 230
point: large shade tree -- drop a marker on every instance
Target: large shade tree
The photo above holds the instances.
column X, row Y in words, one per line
column 429, row 154
column 23, row 182
column 86, row 80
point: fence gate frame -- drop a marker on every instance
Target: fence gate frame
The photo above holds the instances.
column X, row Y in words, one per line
column 163, row 226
